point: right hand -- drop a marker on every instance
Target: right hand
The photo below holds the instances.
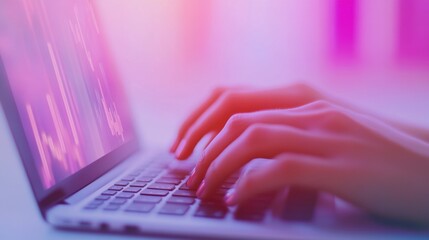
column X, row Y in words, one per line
column 211, row 116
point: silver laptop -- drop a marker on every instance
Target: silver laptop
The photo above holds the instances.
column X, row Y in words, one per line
column 68, row 114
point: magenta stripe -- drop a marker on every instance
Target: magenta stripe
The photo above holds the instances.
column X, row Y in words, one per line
column 345, row 25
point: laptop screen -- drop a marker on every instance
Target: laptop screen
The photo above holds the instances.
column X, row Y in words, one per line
column 71, row 105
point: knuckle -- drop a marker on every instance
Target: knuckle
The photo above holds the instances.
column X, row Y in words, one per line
column 227, row 96
column 212, row 169
column 334, row 115
column 290, row 165
column 236, row 121
column 334, row 119
column 247, row 181
column 317, row 105
column 291, row 168
column 302, row 86
column 254, row 133
column 230, row 98
column 219, row 90
column 322, row 104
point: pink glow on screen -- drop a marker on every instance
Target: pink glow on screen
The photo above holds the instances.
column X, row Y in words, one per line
column 70, row 104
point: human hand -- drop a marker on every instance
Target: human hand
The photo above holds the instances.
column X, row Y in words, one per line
column 211, row 116
column 323, row 146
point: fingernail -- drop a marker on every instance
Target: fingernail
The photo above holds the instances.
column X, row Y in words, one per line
column 191, row 179
column 180, row 150
column 201, row 190
column 230, row 197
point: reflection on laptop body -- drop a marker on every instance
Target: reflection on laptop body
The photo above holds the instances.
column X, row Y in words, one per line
column 67, row 111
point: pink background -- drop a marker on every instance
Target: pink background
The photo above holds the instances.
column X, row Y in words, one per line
column 172, row 53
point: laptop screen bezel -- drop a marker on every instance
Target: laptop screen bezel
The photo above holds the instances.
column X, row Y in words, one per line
column 47, row 198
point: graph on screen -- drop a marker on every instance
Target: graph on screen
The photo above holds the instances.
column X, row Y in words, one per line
column 70, row 103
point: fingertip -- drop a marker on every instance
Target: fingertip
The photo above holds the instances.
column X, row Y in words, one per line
column 192, row 179
column 173, row 146
column 180, row 156
column 180, row 152
column 231, row 198
column 201, row 190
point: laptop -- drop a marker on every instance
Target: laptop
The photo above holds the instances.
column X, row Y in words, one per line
column 67, row 111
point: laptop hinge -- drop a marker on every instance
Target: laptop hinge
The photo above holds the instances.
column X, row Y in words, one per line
column 103, row 180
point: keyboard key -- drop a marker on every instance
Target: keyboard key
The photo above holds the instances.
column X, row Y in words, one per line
column 162, row 186
column 102, row 197
column 181, row 171
column 251, row 216
column 122, row 183
column 111, row 207
column 300, row 204
column 252, row 206
column 174, row 209
column 91, row 207
column 181, row 200
column 144, row 179
column 140, row 207
column 157, row 168
column 184, row 187
column 159, row 164
column 217, row 212
column 138, row 184
column 128, row 178
column 96, row 202
column 213, row 201
column 154, row 192
column 126, row 195
column 94, row 205
column 116, row 188
column 132, row 189
column 135, row 173
column 185, row 193
column 168, row 180
column 149, row 175
column 156, row 171
column 118, row 201
column 147, row 199
column 251, row 211
column 174, row 175
column 109, row 193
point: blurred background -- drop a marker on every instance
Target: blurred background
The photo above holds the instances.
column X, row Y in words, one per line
column 374, row 53
column 170, row 54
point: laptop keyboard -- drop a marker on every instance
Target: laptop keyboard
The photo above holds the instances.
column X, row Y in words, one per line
column 144, row 189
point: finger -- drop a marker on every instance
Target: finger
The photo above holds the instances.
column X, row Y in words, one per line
column 210, row 139
column 235, row 126
column 211, row 119
column 286, row 170
column 244, row 101
column 194, row 116
column 262, row 141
